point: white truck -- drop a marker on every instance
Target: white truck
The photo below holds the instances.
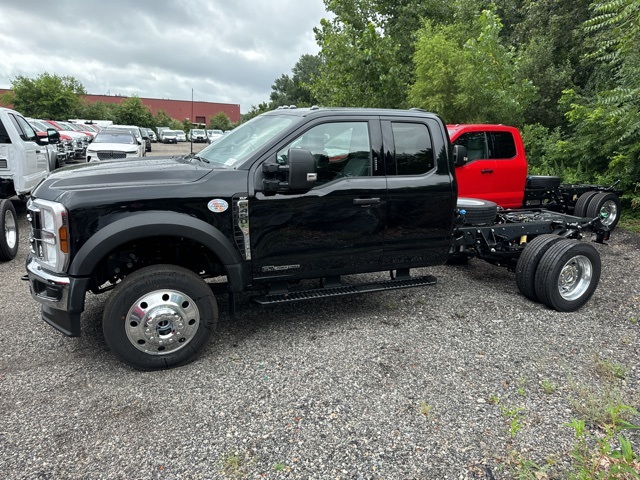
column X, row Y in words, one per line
column 24, row 162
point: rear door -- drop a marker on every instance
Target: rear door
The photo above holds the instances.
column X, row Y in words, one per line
column 421, row 192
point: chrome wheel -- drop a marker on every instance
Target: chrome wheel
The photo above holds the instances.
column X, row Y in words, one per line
column 162, row 322
column 575, row 277
column 609, row 213
column 10, row 230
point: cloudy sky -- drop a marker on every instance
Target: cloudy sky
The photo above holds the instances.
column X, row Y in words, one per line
column 226, row 51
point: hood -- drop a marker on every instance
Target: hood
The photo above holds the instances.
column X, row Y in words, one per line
column 117, row 147
column 125, row 174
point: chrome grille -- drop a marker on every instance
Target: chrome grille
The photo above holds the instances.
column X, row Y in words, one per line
column 110, row 155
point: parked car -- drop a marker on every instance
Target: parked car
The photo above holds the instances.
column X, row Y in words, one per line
column 197, row 135
column 169, row 136
column 214, row 135
column 152, row 135
column 136, row 133
column 160, row 131
column 24, row 163
column 113, row 145
column 182, row 137
column 80, row 140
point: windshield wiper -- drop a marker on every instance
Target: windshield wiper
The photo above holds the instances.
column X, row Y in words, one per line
column 197, row 157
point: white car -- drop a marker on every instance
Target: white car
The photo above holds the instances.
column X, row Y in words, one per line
column 113, row 145
column 137, row 133
column 214, row 135
column 182, row 137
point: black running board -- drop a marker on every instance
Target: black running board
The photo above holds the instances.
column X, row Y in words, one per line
column 339, row 291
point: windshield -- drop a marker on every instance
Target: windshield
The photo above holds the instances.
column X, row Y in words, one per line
column 235, row 147
column 115, row 137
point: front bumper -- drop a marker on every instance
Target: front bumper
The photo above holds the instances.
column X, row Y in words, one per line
column 61, row 298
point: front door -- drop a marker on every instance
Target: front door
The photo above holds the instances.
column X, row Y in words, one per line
column 335, row 227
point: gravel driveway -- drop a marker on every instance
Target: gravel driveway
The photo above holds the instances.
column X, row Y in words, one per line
column 464, row 379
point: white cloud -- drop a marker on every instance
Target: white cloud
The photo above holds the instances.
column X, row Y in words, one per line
column 228, row 52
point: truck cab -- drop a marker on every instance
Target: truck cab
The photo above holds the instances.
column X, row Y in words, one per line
column 23, row 156
column 496, row 165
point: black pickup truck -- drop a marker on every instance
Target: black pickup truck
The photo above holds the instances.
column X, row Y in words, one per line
column 292, row 195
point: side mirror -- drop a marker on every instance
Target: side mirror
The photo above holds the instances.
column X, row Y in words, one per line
column 302, row 170
column 53, row 136
column 297, row 175
column 459, row 155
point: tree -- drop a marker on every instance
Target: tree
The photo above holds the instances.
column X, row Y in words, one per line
column 132, row 112
column 464, row 73
column 161, row 119
column 296, row 90
column 47, row 96
column 359, row 67
column 220, row 121
column 98, row 110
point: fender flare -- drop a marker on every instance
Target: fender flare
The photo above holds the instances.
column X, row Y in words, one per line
column 158, row 223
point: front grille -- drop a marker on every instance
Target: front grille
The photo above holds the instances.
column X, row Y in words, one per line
column 111, row 155
column 3, row 163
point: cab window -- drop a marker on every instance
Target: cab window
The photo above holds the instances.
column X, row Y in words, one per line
column 413, row 148
column 341, row 149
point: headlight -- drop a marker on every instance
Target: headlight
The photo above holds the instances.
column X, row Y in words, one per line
column 49, row 237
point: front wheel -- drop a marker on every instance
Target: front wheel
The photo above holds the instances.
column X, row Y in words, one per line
column 159, row 317
column 8, row 231
column 567, row 275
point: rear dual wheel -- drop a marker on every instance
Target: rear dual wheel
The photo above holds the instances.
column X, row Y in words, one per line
column 562, row 274
column 604, row 205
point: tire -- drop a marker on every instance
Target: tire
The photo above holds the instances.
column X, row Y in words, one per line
column 607, row 207
column 541, row 181
column 144, row 315
column 580, row 209
column 528, row 263
column 567, row 275
column 9, row 238
column 477, row 211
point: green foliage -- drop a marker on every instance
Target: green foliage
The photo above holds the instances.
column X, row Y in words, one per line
column 47, row 96
column 98, row 111
column 606, row 456
column 296, row 90
column 359, row 67
column 132, row 112
column 465, row 73
column 220, row 121
column 162, row 119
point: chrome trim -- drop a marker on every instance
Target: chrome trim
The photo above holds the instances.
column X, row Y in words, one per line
column 62, row 283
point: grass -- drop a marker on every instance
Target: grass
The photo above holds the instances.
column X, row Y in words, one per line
column 608, row 369
column 548, row 386
column 629, row 222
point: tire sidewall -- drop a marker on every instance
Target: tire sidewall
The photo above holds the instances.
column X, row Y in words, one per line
column 147, row 280
column 6, row 252
column 551, row 265
column 528, row 262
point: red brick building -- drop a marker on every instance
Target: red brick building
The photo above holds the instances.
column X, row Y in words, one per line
column 197, row 112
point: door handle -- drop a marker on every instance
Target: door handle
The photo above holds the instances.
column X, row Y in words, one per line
column 37, row 151
column 363, row 202
column 486, row 170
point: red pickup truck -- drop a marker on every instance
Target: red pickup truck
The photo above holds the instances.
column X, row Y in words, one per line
column 495, row 169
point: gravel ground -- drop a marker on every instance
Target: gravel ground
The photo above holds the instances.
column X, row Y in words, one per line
column 440, row 382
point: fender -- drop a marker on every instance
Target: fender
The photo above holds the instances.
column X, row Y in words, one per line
column 149, row 224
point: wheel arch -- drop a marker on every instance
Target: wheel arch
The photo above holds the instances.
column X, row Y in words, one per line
column 155, row 224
